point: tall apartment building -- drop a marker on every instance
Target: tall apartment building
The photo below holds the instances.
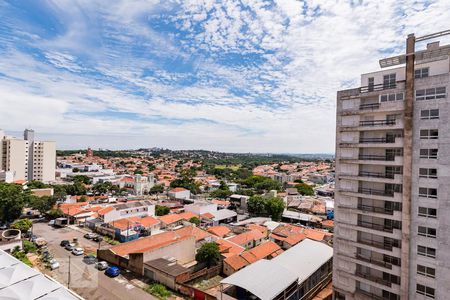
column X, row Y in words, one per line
column 392, row 201
column 28, row 159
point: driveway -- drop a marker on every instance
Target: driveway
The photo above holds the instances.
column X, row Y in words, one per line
column 85, row 280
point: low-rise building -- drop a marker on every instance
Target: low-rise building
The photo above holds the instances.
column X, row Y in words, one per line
column 180, row 193
column 248, row 239
column 130, row 209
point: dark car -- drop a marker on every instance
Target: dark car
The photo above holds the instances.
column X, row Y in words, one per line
column 97, row 239
column 89, row 259
column 64, row 243
column 112, row 271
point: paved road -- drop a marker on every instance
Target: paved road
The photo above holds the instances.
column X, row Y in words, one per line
column 85, row 280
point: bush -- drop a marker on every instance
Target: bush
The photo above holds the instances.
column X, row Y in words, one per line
column 161, row 210
column 209, row 254
column 158, row 290
column 23, row 225
column 29, row 247
column 194, row 220
column 21, row 256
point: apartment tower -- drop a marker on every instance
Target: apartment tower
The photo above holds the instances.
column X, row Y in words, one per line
column 28, row 159
column 392, row 230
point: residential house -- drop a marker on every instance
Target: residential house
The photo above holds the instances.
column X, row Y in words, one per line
column 248, row 239
column 180, row 193
column 130, row 209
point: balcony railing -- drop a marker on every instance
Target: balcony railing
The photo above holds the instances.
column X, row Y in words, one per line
column 374, row 261
column 377, row 123
column 369, row 294
column 375, row 192
column 369, row 106
column 377, row 87
column 377, row 140
column 372, row 278
column 376, row 175
column 374, row 226
column 377, row 157
column 386, row 245
column 376, row 209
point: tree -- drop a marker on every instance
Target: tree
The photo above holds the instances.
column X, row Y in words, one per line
column 157, row 189
column 76, row 189
column 75, row 170
column 138, row 171
column 12, row 201
column 221, row 194
column 29, row 247
column 161, row 210
column 59, row 192
column 194, row 220
column 81, row 178
column 35, row 184
column 305, row 189
column 209, row 254
column 22, row 224
column 256, row 205
column 187, row 183
column 83, row 198
column 274, row 208
column 55, row 213
column 42, row 204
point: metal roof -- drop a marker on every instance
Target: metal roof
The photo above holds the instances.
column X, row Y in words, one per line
column 267, row 279
column 223, row 214
column 263, row 279
column 18, row 281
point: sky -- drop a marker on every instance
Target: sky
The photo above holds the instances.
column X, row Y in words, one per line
column 232, row 76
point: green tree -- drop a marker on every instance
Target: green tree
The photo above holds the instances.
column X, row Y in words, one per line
column 161, row 210
column 194, row 220
column 22, row 224
column 187, row 183
column 75, row 170
column 157, row 189
column 81, row 178
column 274, row 208
column 59, row 192
column 29, row 247
column 138, row 171
column 42, row 204
column 34, row 184
column 209, row 254
column 12, row 201
column 76, row 189
column 305, row 189
column 54, row 213
column 256, row 205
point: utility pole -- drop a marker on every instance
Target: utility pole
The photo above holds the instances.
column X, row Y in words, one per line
column 68, row 274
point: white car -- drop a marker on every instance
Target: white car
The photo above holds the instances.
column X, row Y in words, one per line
column 78, row 251
column 51, row 223
column 101, row 265
column 54, row 264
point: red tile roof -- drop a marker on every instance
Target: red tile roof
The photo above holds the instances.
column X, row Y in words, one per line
column 220, row 231
column 228, row 248
column 245, row 237
column 105, row 210
column 207, row 215
column 177, row 190
column 261, row 251
column 236, row 262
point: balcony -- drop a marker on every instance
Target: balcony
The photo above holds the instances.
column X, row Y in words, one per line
column 377, row 87
column 376, row 157
column 371, row 260
column 373, row 278
column 376, row 175
column 376, row 209
column 369, row 106
column 366, row 294
column 374, row 226
column 375, row 192
column 377, row 122
column 386, row 245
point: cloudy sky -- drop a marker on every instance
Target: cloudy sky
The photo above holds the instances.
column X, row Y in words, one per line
column 234, row 75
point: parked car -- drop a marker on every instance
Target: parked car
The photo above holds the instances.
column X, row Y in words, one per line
column 54, row 264
column 64, row 243
column 40, row 242
column 89, row 259
column 70, row 246
column 90, row 235
column 97, row 238
column 101, row 265
column 112, row 271
column 78, row 251
column 51, row 223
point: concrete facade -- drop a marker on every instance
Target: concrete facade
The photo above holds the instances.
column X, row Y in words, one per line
column 392, row 181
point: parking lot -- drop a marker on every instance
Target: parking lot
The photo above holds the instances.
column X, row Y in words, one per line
column 84, row 279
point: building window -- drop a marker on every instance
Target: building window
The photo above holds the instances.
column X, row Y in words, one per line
column 431, row 94
column 426, row 251
column 427, row 212
column 391, row 97
column 389, row 81
column 421, row 73
column 426, row 231
column 370, row 84
column 428, row 192
column 425, row 290
column 427, row 173
column 429, row 153
column 426, row 271
column 429, row 134
column 429, row 114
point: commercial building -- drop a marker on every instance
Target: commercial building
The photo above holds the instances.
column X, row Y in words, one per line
column 392, row 179
column 28, row 159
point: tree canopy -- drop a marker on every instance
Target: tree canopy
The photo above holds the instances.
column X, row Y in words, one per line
column 161, row 210
column 305, row 189
column 273, row 207
column 209, row 254
column 12, row 201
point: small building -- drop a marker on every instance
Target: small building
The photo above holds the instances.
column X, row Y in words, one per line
column 125, row 210
column 248, row 239
column 165, row 271
column 223, row 216
column 179, row 193
column 201, row 207
column 220, row 231
column 239, row 200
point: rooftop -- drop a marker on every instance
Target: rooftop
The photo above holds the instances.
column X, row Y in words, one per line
column 167, row 266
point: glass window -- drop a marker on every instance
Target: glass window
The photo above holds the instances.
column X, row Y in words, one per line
column 427, row 212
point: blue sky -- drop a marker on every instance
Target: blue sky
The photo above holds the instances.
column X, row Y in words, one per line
column 235, row 75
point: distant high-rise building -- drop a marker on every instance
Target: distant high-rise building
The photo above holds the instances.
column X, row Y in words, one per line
column 89, row 152
column 393, row 179
column 28, row 159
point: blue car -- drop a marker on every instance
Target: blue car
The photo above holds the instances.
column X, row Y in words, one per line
column 112, row 272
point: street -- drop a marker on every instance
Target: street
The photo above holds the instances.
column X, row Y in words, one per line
column 85, row 280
